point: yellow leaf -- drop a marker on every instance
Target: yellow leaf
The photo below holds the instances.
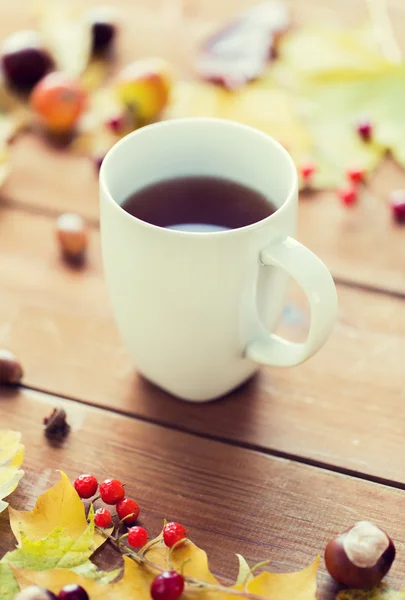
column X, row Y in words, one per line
column 137, row 579
column 188, row 559
column 283, row 586
column 263, row 106
column 339, row 76
column 135, row 583
column 11, row 457
column 330, row 53
column 10, row 447
column 60, row 506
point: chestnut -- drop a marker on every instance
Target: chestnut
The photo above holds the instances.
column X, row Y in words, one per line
column 25, row 60
column 103, row 27
column 360, row 556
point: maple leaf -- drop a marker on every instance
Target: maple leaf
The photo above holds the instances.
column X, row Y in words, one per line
column 192, row 561
column 279, row 586
column 11, row 457
column 56, row 550
column 380, row 592
column 310, row 99
column 60, row 506
column 265, row 106
column 341, row 77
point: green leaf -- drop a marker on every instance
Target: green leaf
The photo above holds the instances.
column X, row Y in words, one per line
column 244, row 575
column 8, row 585
column 89, row 570
column 381, row 592
column 57, row 550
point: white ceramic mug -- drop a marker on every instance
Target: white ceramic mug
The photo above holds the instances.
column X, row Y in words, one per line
column 197, row 310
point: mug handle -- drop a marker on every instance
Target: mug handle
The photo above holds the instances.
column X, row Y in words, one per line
column 314, row 278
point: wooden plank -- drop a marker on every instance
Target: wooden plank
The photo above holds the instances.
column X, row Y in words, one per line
column 230, row 499
column 359, row 245
column 342, row 408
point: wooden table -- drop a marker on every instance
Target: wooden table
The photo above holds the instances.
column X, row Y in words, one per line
column 277, row 467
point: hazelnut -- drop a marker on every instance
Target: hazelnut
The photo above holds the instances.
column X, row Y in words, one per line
column 72, row 236
column 361, row 556
column 10, row 369
column 35, row 593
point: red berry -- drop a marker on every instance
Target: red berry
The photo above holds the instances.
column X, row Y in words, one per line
column 356, row 175
column 73, row 591
column 397, row 203
column 116, row 124
column 365, row 129
column 348, row 195
column 307, row 171
column 137, row 537
column 173, row 533
column 168, row 585
column 111, row 491
column 128, row 511
column 103, row 518
column 86, row 485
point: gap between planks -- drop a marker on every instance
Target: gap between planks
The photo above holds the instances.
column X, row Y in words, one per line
column 228, row 441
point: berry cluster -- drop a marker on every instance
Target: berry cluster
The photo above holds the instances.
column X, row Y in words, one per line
column 168, row 585
column 112, row 492
column 68, row 592
column 349, row 194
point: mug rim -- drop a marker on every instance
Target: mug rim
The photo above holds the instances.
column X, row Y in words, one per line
column 222, row 122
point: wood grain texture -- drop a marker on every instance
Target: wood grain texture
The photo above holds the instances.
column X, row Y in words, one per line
column 230, row 499
column 359, row 245
column 342, row 408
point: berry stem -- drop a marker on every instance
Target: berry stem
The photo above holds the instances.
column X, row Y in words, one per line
column 130, row 516
column 149, row 545
column 175, row 545
column 193, row 584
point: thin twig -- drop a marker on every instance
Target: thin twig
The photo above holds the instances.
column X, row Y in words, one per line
column 383, row 30
column 193, row 584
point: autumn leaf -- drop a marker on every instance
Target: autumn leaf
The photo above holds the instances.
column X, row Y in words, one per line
column 190, row 560
column 310, row 99
column 11, row 457
column 56, row 550
column 280, row 586
column 134, row 584
column 381, row 592
column 61, row 507
column 340, row 77
column 265, row 107
column 8, row 584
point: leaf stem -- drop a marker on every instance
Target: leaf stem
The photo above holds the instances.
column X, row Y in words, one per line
column 383, row 30
column 193, row 584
